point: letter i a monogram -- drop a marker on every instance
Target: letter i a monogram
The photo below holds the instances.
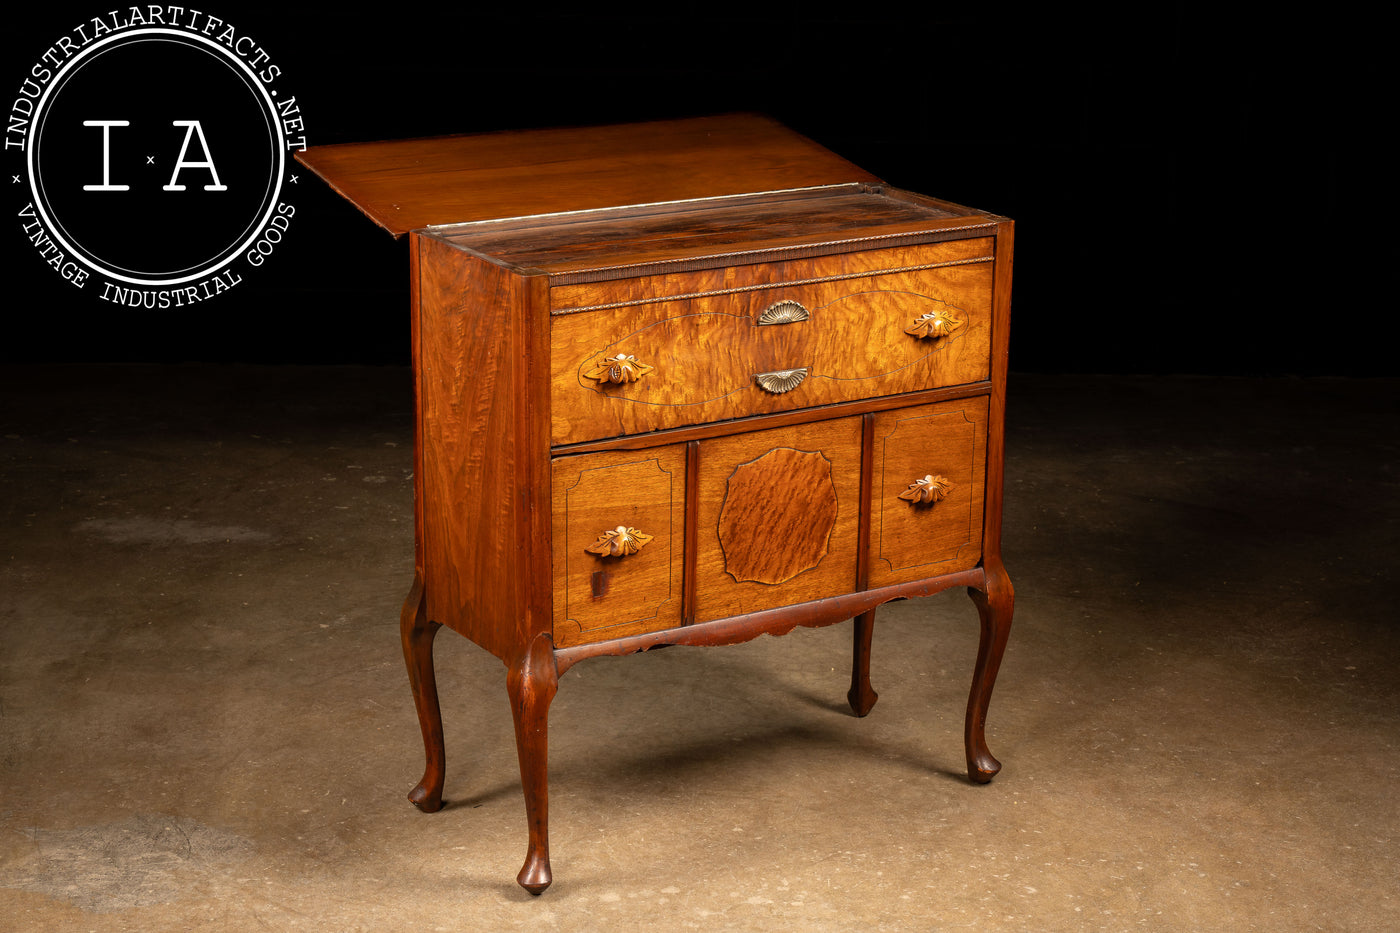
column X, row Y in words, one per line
column 192, row 128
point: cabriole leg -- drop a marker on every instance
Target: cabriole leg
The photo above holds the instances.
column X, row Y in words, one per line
column 861, row 697
column 417, row 635
column 994, row 604
column 532, row 682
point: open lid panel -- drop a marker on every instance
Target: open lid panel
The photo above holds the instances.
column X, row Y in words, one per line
column 409, row 184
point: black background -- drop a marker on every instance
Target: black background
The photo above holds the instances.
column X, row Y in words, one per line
column 1195, row 192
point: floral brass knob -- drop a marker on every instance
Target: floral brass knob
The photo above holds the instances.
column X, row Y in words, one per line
column 618, row 369
column 928, row 490
column 620, row 542
column 933, row 325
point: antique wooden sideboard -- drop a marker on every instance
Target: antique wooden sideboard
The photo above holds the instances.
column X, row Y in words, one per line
column 685, row 383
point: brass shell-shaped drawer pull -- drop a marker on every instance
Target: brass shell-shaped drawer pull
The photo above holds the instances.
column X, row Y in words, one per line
column 620, row 542
column 783, row 380
column 933, row 325
column 784, row 312
column 618, row 369
column 928, row 490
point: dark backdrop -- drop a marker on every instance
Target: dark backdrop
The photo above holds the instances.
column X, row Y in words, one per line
column 1194, row 193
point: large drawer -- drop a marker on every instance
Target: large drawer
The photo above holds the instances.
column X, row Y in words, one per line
column 640, row 354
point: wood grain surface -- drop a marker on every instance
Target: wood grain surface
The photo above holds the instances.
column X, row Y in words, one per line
column 786, row 498
column 595, row 245
column 407, row 184
column 608, row 597
column 483, row 453
column 910, row 540
column 718, row 592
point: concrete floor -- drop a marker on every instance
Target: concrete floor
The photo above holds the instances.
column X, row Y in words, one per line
column 205, row 723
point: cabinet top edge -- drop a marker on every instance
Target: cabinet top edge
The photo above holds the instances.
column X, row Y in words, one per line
column 620, row 241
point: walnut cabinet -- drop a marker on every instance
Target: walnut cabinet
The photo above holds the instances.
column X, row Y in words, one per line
column 686, row 383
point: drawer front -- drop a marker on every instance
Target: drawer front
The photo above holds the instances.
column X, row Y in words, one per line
column 777, row 518
column 927, row 490
column 618, row 543
column 773, row 337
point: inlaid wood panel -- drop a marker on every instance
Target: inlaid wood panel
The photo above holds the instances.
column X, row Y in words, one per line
column 801, row 516
column 935, row 457
column 634, row 586
column 777, row 517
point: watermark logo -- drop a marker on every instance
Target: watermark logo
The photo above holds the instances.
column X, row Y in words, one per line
column 152, row 146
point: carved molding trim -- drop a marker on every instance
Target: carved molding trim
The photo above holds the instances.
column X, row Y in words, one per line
column 760, row 286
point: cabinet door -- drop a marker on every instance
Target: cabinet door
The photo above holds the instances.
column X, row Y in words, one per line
column 778, row 517
column 618, row 543
column 930, row 466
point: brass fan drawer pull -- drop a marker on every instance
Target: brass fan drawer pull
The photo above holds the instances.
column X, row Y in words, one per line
column 619, row 369
column 780, row 381
column 927, row 491
column 784, row 312
column 934, row 325
column 620, row 542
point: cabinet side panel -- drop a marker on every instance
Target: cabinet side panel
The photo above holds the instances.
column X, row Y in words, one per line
column 415, row 348
column 996, row 415
column 480, row 471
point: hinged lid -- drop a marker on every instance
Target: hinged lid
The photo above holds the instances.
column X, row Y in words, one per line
column 619, row 242
column 408, row 184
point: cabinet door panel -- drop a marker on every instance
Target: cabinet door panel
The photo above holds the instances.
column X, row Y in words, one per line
column 629, row 509
column 778, row 517
column 928, row 489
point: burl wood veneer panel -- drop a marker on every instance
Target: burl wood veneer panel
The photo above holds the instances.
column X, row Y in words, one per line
column 700, row 333
column 777, row 517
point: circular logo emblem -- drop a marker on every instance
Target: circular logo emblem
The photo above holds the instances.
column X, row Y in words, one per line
column 155, row 157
